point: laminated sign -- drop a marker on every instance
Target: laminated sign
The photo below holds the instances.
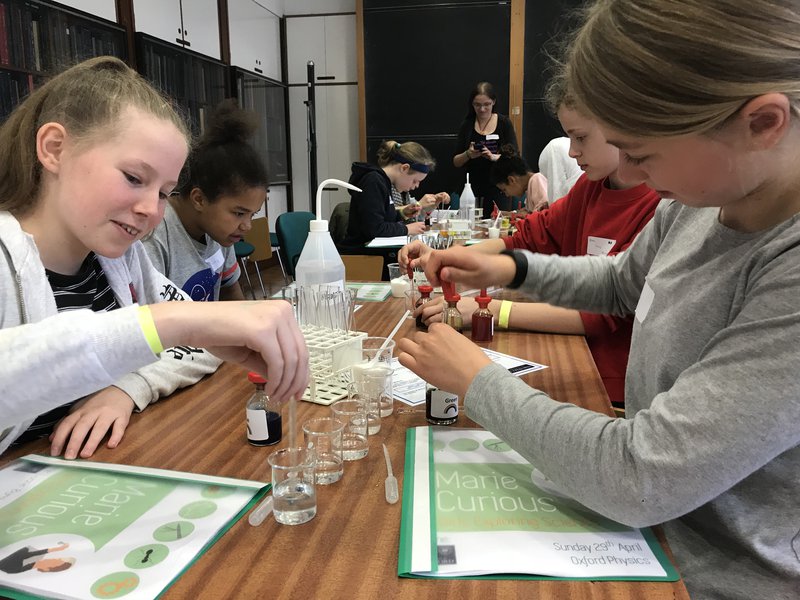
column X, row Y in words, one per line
column 81, row 529
column 473, row 507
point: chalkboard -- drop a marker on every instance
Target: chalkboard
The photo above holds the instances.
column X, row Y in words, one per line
column 421, row 62
column 547, row 24
column 540, row 127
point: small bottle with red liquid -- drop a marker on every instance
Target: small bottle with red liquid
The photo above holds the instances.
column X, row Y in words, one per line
column 482, row 320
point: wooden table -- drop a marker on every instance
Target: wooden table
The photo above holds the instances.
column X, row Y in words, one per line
column 350, row 549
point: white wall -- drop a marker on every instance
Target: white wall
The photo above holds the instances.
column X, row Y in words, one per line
column 305, row 7
column 275, row 6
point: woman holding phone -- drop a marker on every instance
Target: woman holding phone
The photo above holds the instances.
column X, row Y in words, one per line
column 482, row 134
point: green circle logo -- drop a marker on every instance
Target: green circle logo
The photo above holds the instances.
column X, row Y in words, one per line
column 464, row 445
column 197, row 510
column 439, row 445
column 217, row 491
column 146, row 556
column 496, row 445
column 115, row 585
column 174, row 531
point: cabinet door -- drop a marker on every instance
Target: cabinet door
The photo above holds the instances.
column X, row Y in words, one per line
column 305, row 40
column 340, row 126
column 159, row 18
column 106, row 9
column 340, row 48
column 255, row 38
column 298, row 119
column 201, row 26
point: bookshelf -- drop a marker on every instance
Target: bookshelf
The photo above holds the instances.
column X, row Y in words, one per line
column 38, row 38
column 196, row 83
column 267, row 98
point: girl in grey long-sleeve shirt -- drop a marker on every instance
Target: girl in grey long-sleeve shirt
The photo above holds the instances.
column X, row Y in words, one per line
column 711, row 443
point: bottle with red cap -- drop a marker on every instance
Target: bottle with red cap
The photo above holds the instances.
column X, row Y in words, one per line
column 425, row 292
column 482, row 319
column 263, row 415
column 451, row 315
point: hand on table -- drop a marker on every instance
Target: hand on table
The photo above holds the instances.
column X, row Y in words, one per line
column 443, row 357
column 411, row 210
column 416, row 228
column 82, row 430
column 262, row 336
column 432, row 311
column 411, row 251
column 460, row 265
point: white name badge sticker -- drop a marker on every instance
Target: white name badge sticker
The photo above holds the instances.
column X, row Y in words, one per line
column 492, row 136
column 215, row 261
column 598, row 246
column 645, row 302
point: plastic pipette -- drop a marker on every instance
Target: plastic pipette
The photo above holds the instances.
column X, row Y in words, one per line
column 261, row 511
column 392, row 493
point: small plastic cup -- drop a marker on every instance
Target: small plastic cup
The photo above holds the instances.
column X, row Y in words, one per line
column 494, row 233
column 412, row 296
column 353, row 414
column 324, row 436
column 373, row 377
column 294, row 494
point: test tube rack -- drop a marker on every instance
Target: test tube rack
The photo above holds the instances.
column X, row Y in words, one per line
column 331, row 353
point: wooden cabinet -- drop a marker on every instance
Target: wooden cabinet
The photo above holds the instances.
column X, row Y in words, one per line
column 255, row 38
column 191, row 24
column 337, row 142
column 330, row 41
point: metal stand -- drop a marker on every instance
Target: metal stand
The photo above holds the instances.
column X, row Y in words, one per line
column 311, row 123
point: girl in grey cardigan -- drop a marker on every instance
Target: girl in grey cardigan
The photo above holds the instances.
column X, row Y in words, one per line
column 710, row 443
column 86, row 164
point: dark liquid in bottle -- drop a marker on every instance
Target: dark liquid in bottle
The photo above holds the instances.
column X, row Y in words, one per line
column 482, row 328
column 420, row 322
column 439, row 403
column 274, row 430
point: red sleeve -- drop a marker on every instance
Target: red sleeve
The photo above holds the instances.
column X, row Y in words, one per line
column 543, row 231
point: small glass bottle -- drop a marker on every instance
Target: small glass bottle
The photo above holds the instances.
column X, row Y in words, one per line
column 263, row 415
column 482, row 320
column 441, row 408
column 451, row 315
column 424, row 297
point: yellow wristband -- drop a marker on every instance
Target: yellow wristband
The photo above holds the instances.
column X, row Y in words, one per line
column 149, row 329
column 505, row 313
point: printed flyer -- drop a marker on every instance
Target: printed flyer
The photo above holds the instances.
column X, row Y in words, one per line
column 474, row 507
column 82, row 529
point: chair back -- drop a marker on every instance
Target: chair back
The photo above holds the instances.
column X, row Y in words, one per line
column 292, row 230
column 362, row 267
column 339, row 220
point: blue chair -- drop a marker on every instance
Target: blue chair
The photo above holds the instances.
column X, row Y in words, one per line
column 292, row 231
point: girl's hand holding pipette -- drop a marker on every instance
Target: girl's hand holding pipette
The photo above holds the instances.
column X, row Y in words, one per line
column 262, row 336
column 443, row 357
column 432, row 311
column 410, row 251
column 459, row 265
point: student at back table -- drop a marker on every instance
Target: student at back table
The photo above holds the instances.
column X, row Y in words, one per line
column 601, row 215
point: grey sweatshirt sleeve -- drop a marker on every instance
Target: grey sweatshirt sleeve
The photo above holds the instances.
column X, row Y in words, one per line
column 93, row 350
column 715, row 418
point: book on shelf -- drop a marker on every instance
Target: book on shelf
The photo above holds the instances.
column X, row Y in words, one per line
column 473, row 507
